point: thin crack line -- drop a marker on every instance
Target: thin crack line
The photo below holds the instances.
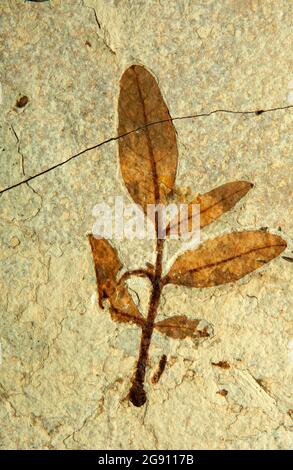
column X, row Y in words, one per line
column 18, row 149
column 23, row 170
column 113, row 139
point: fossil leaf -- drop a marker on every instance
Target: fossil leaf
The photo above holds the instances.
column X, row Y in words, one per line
column 225, row 259
column 107, row 266
column 148, row 157
column 180, row 327
column 122, row 306
column 106, row 259
column 214, row 203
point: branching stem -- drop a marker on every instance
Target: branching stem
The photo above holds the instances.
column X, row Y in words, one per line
column 137, row 394
column 136, row 272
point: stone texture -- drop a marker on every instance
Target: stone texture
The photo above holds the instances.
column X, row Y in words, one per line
column 66, row 366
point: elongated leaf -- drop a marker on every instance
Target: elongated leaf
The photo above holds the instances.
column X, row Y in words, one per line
column 106, row 263
column 106, row 259
column 180, row 327
column 214, row 203
column 225, row 259
column 148, row 157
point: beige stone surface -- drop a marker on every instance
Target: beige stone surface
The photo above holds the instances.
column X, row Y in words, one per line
column 65, row 366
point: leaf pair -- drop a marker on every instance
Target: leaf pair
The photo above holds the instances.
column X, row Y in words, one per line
column 149, row 156
column 122, row 307
column 148, row 159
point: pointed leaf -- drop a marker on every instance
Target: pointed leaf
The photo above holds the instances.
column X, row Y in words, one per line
column 106, row 259
column 122, row 306
column 180, row 327
column 214, row 203
column 148, row 157
column 225, row 259
column 106, row 263
column 107, row 266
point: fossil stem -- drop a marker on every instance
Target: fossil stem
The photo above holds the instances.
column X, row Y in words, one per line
column 136, row 272
column 137, row 394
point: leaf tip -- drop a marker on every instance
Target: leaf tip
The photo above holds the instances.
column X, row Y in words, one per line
column 247, row 185
column 281, row 243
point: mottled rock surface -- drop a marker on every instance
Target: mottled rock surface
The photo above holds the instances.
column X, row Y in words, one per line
column 65, row 366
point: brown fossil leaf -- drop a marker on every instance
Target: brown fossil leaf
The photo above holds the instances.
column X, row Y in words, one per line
column 106, row 263
column 180, row 327
column 148, row 157
column 214, row 203
column 122, row 306
column 107, row 266
column 106, row 259
column 225, row 259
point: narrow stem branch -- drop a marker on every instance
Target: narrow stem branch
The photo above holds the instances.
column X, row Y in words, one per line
column 137, row 393
column 136, row 272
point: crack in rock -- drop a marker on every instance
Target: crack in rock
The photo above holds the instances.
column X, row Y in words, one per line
column 49, row 347
column 112, row 139
column 22, row 160
column 105, row 36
